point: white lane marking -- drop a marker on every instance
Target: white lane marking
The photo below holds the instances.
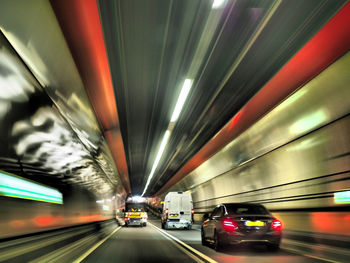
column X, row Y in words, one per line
column 299, row 252
column 332, row 249
column 188, row 253
column 82, row 257
column 295, row 251
column 185, row 245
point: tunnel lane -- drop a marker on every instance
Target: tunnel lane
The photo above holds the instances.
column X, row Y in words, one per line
column 290, row 251
column 152, row 244
column 135, row 244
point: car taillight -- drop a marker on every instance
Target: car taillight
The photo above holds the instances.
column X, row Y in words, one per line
column 166, row 213
column 126, row 218
column 229, row 225
column 276, row 225
column 192, row 211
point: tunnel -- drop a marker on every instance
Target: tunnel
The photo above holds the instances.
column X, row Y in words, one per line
column 109, row 103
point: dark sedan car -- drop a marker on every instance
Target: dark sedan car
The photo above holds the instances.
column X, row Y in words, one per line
column 238, row 223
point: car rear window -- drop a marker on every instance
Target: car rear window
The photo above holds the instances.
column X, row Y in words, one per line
column 246, row 209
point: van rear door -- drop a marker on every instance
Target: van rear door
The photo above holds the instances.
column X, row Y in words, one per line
column 174, row 206
column 185, row 207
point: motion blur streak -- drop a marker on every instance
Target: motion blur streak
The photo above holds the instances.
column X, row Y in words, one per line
column 342, row 197
column 45, row 221
column 332, row 41
column 81, row 26
column 14, row 186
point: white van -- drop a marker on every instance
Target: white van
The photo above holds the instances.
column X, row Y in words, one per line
column 177, row 210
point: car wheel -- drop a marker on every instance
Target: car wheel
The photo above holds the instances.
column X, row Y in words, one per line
column 189, row 227
column 163, row 225
column 217, row 242
column 204, row 241
column 144, row 224
column 126, row 224
column 273, row 247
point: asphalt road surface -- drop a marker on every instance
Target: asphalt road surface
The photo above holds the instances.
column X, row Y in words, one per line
column 152, row 244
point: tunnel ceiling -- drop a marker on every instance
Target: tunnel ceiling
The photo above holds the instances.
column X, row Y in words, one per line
column 229, row 52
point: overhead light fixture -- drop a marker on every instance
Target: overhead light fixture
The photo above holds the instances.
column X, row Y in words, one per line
column 181, row 99
column 17, row 187
column 218, row 4
column 186, row 87
column 156, row 161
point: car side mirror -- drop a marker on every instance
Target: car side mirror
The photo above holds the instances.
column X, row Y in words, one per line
column 205, row 216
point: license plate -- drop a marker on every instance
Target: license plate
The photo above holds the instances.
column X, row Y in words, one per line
column 174, row 215
column 254, row 223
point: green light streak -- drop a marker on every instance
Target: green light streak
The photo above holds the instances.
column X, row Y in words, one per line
column 17, row 187
column 342, row 197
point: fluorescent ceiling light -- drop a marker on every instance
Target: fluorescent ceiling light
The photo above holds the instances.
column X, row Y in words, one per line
column 176, row 113
column 218, row 4
column 156, row 161
column 181, row 100
column 15, row 186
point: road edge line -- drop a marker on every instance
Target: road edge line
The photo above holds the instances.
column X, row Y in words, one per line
column 297, row 252
column 195, row 257
column 92, row 249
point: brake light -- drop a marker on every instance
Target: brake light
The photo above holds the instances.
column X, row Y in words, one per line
column 166, row 213
column 192, row 211
column 126, row 218
column 229, row 225
column 276, row 225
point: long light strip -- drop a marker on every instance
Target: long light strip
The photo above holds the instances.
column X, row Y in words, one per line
column 15, row 186
column 218, row 4
column 156, row 161
column 181, row 100
column 176, row 113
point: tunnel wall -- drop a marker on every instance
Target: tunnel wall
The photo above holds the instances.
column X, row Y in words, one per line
column 293, row 160
column 20, row 216
column 49, row 133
